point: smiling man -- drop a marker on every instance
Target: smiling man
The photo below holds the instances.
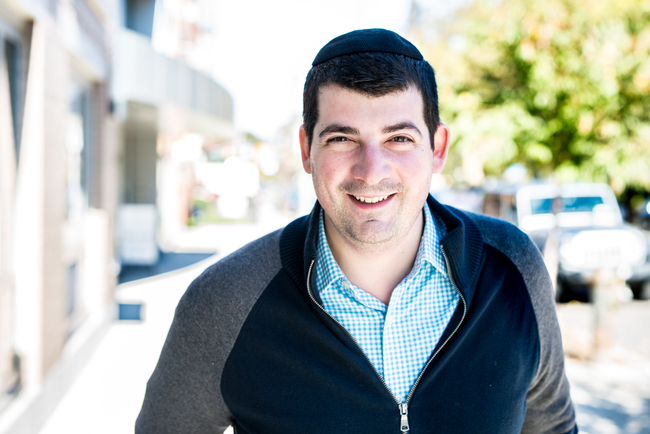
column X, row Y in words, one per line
column 382, row 311
column 372, row 163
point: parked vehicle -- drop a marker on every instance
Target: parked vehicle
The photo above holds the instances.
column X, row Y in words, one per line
column 643, row 215
column 583, row 224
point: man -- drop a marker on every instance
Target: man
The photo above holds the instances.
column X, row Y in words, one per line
column 382, row 311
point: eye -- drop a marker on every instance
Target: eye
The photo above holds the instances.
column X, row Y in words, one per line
column 401, row 139
column 337, row 139
column 339, row 143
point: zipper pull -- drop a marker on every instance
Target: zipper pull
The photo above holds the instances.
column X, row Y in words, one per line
column 404, row 422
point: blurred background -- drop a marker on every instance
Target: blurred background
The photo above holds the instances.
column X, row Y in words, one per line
column 142, row 140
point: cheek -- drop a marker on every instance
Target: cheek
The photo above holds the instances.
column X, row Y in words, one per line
column 415, row 164
column 330, row 170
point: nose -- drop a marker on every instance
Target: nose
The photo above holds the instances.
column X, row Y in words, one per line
column 372, row 166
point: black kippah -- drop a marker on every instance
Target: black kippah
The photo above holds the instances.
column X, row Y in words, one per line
column 364, row 41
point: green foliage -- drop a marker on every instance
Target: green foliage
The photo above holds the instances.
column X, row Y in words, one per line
column 561, row 86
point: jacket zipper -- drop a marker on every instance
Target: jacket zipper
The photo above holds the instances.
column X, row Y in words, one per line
column 404, row 419
column 348, row 333
column 460, row 295
column 403, row 407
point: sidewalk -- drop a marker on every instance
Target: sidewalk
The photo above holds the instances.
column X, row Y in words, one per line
column 107, row 395
column 611, row 393
column 610, row 389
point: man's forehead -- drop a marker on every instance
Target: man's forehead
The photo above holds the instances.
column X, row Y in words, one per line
column 341, row 108
column 331, row 90
column 337, row 87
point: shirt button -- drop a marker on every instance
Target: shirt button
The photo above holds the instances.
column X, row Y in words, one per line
column 346, row 285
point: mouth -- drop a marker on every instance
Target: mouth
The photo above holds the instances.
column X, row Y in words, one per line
column 377, row 199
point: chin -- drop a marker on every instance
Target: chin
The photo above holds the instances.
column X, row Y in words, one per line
column 372, row 236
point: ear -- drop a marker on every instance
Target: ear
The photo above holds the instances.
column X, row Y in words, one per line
column 440, row 147
column 305, row 152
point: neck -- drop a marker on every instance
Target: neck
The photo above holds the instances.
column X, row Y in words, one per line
column 377, row 269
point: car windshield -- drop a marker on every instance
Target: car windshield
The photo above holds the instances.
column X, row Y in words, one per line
column 569, row 204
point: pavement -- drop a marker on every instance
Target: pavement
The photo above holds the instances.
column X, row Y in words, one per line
column 610, row 378
column 107, row 395
column 611, row 394
column 610, row 387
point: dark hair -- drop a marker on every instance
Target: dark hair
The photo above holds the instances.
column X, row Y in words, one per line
column 373, row 74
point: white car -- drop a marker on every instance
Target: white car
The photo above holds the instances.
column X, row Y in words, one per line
column 583, row 223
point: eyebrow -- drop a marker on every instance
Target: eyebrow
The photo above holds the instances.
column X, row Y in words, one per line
column 338, row 128
column 401, row 126
column 343, row 129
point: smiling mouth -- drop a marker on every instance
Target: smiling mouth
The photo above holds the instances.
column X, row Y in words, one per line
column 371, row 199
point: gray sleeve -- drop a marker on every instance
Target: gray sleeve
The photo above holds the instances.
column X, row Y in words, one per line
column 549, row 406
column 183, row 394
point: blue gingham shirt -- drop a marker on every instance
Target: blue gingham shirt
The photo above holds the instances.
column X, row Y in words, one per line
column 398, row 339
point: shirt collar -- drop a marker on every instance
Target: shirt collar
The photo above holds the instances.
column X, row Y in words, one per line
column 428, row 251
column 433, row 232
column 328, row 270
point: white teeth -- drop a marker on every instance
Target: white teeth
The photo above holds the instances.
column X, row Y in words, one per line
column 370, row 199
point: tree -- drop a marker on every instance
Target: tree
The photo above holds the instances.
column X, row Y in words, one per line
column 561, row 86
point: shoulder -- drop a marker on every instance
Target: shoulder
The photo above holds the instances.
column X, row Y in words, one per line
column 524, row 254
column 252, row 262
column 520, row 250
column 526, row 257
column 502, row 235
column 514, row 244
column 183, row 393
column 238, row 279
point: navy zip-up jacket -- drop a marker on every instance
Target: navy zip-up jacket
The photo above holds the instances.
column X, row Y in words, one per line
column 250, row 346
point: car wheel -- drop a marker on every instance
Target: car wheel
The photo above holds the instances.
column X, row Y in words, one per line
column 641, row 290
column 567, row 291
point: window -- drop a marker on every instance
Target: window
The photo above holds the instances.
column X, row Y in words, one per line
column 79, row 178
column 12, row 61
column 569, row 204
column 138, row 16
column 13, row 57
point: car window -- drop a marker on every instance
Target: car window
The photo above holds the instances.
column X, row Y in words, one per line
column 569, row 204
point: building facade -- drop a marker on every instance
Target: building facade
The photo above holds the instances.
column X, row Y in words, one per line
column 89, row 114
column 56, row 197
